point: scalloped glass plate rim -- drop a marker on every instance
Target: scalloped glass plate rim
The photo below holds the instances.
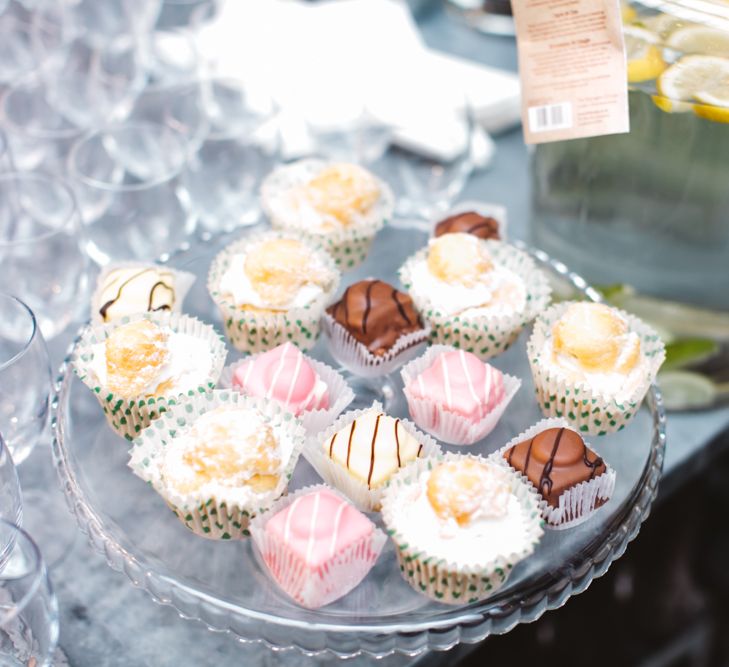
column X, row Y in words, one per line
column 593, row 560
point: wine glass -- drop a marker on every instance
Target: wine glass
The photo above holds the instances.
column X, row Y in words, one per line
column 127, row 181
column 11, row 504
column 427, row 170
column 28, row 606
column 173, row 86
column 42, row 248
column 24, row 414
column 39, row 136
column 347, row 133
column 17, row 53
column 25, row 378
column 170, row 57
column 103, row 24
column 241, row 146
column 92, row 57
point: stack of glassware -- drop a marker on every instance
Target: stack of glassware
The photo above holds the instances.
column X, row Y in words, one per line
column 118, row 143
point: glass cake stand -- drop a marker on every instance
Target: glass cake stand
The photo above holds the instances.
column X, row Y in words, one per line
column 223, row 584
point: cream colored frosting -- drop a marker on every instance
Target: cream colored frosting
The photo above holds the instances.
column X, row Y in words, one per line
column 592, row 343
column 227, row 452
column 495, row 291
column 300, row 206
column 236, row 283
column 188, row 364
column 497, row 529
column 615, row 383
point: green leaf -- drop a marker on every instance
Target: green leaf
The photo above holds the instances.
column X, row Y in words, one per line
column 687, row 351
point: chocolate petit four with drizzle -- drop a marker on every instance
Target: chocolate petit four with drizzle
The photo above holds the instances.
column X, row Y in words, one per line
column 554, row 461
column 376, row 314
column 469, row 222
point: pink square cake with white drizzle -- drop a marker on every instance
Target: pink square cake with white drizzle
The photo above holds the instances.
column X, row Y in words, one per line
column 461, row 383
column 284, row 375
column 319, row 547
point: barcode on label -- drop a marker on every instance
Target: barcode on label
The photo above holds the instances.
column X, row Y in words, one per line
column 550, row 117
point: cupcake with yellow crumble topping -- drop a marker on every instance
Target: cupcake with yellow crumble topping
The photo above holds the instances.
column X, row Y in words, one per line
column 141, row 365
column 340, row 205
column 476, row 295
column 460, row 524
column 272, row 288
column 592, row 364
column 219, row 459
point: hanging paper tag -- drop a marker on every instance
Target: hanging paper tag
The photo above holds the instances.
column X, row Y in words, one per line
column 572, row 68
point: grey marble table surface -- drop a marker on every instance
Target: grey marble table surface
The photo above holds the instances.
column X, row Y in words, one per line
column 106, row 621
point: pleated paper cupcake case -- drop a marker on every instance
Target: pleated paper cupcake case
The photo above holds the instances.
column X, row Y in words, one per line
column 445, row 581
column 587, row 410
column 349, row 245
column 340, row 393
column 336, row 475
column 488, row 335
column 129, row 416
column 352, row 563
column 577, row 504
column 357, row 358
column 214, row 518
column 441, row 423
column 254, row 331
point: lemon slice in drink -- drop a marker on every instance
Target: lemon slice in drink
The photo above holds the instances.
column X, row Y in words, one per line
column 702, row 79
column 700, row 39
column 627, row 13
column 645, row 61
column 693, row 75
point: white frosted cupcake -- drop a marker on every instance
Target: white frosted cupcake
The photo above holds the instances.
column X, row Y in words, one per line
column 139, row 366
column 592, row 364
column 132, row 287
column 340, row 205
column 477, row 295
column 271, row 288
column 305, row 387
column 361, row 451
column 460, row 524
column 218, row 460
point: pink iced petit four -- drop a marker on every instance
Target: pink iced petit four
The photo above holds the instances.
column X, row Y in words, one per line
column 455, row 396
column 317, row 547
column 460, row 382
column 284, row 375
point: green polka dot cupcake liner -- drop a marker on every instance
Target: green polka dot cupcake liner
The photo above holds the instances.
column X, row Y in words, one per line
column 226, row 516
column 587, row 409
column 349, row 245
column 257, row 331
column 446, row 581
column 486, row 336
column 128, row 416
